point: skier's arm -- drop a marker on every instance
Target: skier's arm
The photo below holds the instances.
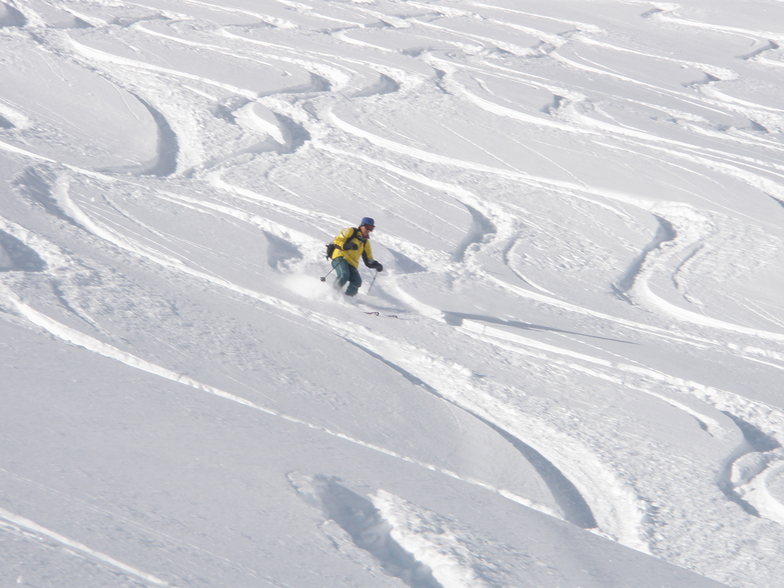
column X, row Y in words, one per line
column 367, row 257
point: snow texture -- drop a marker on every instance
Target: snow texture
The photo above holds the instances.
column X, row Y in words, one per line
column 568, row 374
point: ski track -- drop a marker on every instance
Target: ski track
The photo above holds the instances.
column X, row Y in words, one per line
column 112, row 515
column 614, row 521
column 305, row 116
column 13, row 522
column 645, row 292
column 613, row 525
column 632, row 276
column 75, row 337
column 185, row 41
column 609, row 526
column 573, row 506
column 368, row 528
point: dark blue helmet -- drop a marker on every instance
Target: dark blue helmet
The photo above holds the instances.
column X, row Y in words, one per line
column 367, row 221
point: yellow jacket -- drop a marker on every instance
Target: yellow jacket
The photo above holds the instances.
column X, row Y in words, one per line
column 352, row 248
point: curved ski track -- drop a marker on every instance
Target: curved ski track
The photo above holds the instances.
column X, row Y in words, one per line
column 324, row 113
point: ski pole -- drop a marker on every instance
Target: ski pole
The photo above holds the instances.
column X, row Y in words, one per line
column 324, row 277
column 375, row 275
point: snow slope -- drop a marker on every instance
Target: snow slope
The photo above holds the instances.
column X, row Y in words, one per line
column 569, row 373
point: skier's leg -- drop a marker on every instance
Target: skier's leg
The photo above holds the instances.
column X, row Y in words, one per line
column 342, row 272
column 355, row 281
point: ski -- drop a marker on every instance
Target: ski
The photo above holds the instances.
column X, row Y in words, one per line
column 377, row 313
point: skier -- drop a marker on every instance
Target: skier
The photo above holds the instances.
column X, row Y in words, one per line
column 351, row 244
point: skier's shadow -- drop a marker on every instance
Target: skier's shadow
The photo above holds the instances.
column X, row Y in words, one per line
column 456, row 319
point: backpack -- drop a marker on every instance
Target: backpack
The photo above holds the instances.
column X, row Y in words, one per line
column 332, row 246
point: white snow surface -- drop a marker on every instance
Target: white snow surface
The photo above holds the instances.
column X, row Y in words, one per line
column 569, row 372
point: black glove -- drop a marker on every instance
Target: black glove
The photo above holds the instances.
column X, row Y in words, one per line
column 378, row 267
